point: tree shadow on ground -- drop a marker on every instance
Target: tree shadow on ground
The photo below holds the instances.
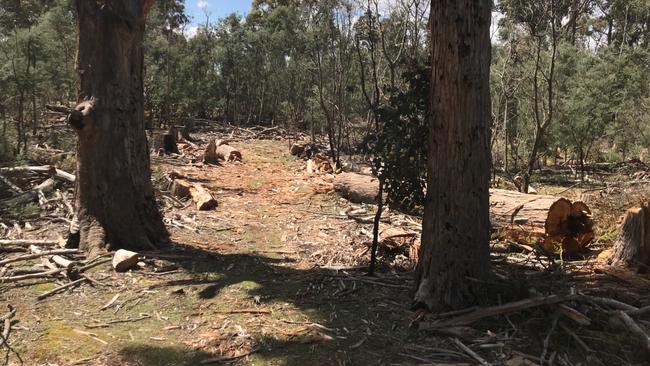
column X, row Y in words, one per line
column 320, row 317
column 313, row 316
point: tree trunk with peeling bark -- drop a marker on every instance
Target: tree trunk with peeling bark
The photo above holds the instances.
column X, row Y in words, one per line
column 456, row 224
column 114, row 197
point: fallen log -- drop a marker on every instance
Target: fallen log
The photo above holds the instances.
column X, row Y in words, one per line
column 203, row 198
column 521, row 217
column 558, row 221
column 357, row 188
column 228, row 153
column 632, row 249
column 30, row 195
column 44, row 169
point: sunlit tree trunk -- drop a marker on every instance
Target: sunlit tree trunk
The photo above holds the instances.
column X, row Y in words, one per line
column 114, row 196
column 454, row 256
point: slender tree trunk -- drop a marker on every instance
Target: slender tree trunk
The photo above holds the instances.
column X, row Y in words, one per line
column 456, row 225
column 114, row 196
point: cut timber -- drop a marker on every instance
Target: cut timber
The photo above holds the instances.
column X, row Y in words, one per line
column 210, row 153
column 202, row 197
column 181, row 188
column 123, row 260
column 561, row 223
column 357, row 188
column 228, row 153
column 520, row 216
column 633, row 246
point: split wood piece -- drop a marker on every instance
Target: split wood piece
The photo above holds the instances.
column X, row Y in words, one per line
column 60, row 288
column 45, row 169
column 210, row 153
column 203, row 198
column 31, row 195
column 123, row 260
column 181, row 188
column 28, row 242
column 228, row 153
column 498, row 310
column 357, row 188
column 38, row 255
column 59, row 260
column 632, row 248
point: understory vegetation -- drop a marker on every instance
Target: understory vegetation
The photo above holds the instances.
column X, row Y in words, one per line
column 570, row 79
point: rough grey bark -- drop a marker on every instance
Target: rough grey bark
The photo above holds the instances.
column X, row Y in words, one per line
column 114, row 196
column 456, row 226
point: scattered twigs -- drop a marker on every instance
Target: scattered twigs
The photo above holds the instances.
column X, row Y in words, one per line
column 118, row 321
column 471, row 353
column 111, row 302
column 575, row 337
column 547, row 340
column 635, row 330
column 91, row 335
column 60, row 288
column 498, row 310
column 228, row 359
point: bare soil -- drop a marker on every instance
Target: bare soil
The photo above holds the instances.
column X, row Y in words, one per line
column 254, row 282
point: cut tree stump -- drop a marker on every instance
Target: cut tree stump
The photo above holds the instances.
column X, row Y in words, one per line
column 203, row 198
column 519, row 216
column 632, row 248
column 210, row 154
column 228, row 153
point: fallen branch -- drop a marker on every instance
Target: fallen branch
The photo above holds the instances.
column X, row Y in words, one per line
column 471, row 353
column 31, row 276
column 227, row 359
column 635, row 330
column 27, row 242
column 498, row 310
column 38, row 255
column 30, row 195
column 60, row 288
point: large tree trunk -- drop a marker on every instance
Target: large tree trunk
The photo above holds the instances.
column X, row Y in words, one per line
column 456, row 224
column 114, row 196
column 633, row 246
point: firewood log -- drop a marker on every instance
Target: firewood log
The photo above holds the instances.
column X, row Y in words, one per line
column 228, row 153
